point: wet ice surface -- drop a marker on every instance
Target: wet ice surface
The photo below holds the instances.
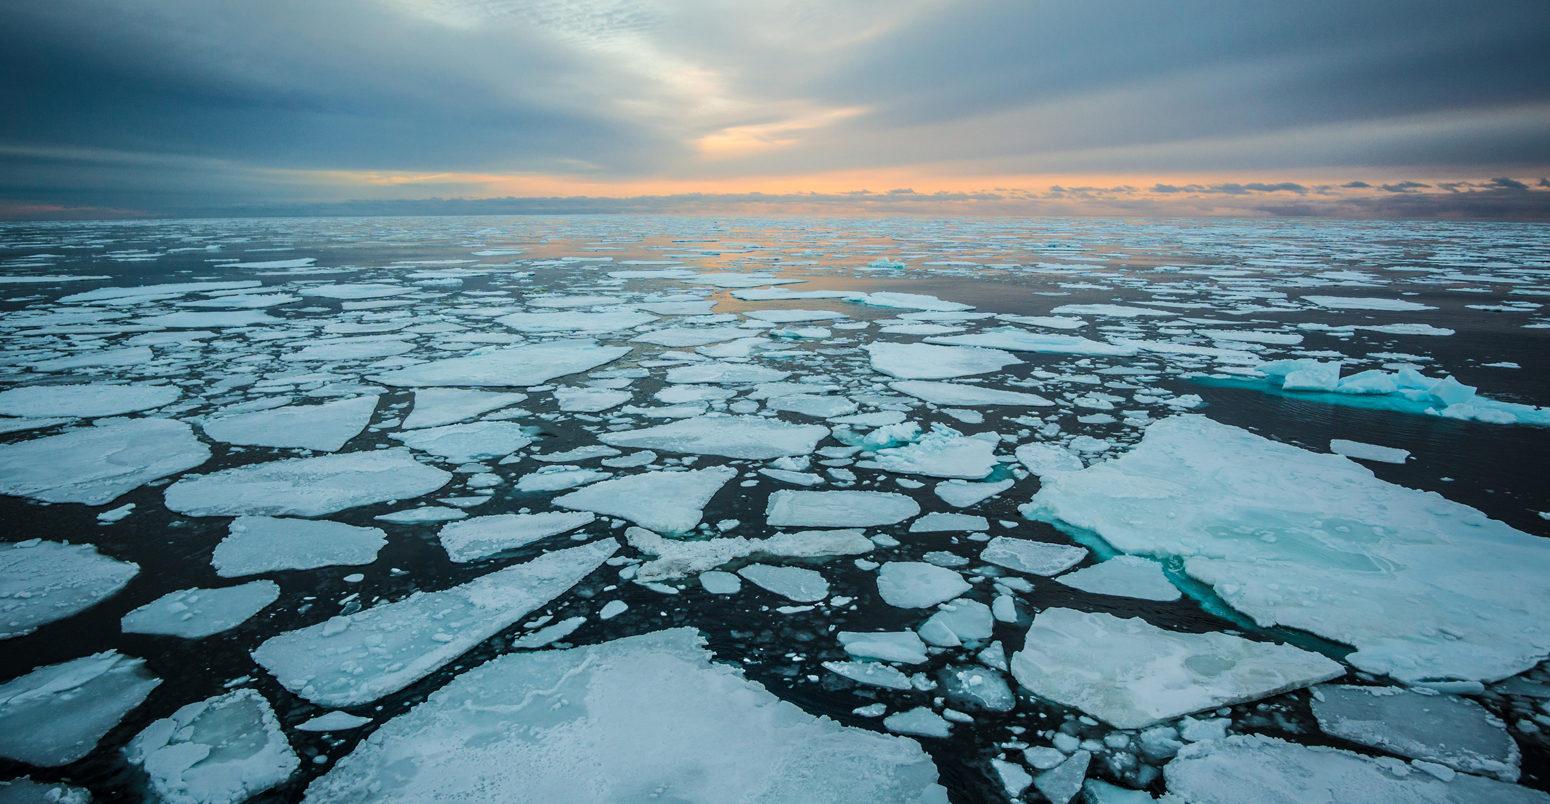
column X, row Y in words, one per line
column 1030, row 508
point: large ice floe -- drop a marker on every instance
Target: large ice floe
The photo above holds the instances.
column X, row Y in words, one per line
column 517, row 366
column 306, row 486
column 355, row 658
column 648, row 716
column 224, row 749
column 56, row 714
column 1130, row 673
column 98, row 464
column 84, row 400
column 324, row 427
column 729, row 436
column 918, row 361
column 258, row 544
column 659, row 501
column 43, row 581
column 1316, row 542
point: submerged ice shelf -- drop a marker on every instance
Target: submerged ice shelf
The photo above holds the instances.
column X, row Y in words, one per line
column 397, row 509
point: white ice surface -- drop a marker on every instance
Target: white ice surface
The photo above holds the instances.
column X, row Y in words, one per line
column 55, row 715
column 666, row 502
column 1124, row 576
column 434, row 407
column 1445, row 729
column 354, row 658
column 324, row 427
column 484, row 536
column 918, row 361
column 86, row 400
column 41, row 582
column 728, row 436
column 306, row 486
column 95, row 465
column 196, row 613
column 838, row 509
column 257, row 544
column 223, row 749
column 643, row 717
column 467, row 442
column 677, row 558
column 516, row 366
column 918, row 585
column 959, row 394
column 1033, row 557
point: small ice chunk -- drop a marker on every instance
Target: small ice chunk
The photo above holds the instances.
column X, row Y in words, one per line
column 676, row 558
column 961, row 622
column 1061, row 783
column 840, row 509
column 888, row 646
column 939, row 522
column 223, row 749
column 258, row 544
column 589, row 400
column 943, row 452
column 871, row 674
column 196, row 613
column 306, row 486
column 1044, row 460
column 333, row 721
column 1368, row 452
column 1036, row 558
column 918, row 585
column 55, row 715
column 667, row 502
column 964, row 493
column 920, row 722
column 1132, row 674
column 717, row 582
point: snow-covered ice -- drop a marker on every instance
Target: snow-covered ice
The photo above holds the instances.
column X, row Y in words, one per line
column 517, row 366
column 196, row 613
column 1124, row 576
column 223, row 749
column 55, row 715
column 484, row 536
column 728, row 436
column 324, row 427
column 666, row 502
column 259, row 544
column 1033, row 557
column 464, row 443
column 44, row 581
column 87, row 400
column 918, row 585
column 918, row 361
column 96, row 465
column 306, row 486
column 838, row 509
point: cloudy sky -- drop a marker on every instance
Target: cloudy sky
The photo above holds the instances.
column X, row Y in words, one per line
column 1347, row 107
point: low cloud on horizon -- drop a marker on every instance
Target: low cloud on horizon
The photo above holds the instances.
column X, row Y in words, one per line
column 1421, row 108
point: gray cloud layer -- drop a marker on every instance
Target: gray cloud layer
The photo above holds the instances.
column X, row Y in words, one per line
column 185, row 105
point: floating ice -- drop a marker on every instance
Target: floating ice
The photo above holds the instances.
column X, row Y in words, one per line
column 943, row 452
column 728, row 436
column 646, row 716
column 920, row 722
column 95, row 465
column 1108, row 310
column 1368, row 452
column 938, row 522
column 55, row 715
column 1061, row 783
column 960, row 622
column 918, row 585
column 306, row 486
column 529, row 364
column 434, row 407
column 464, row 443
column 1367, row 303
column 197, row 613
column 918, row 361
column 354, row 658
column 1044, row 460
column 41, row 582
column 589, row 400
column 1131, row 674
column 727, row 373
column 793, row 583
column 1252, row 767
column 1036, row 558
column 871, row 674
column 889, row 646
column 962, row 395
column 333, row 721
column 1124, row 576
column 909, row 301
column 223, row 749
column 676, row 558
column 484, row 536
column 1451, row 731
column 1406, row 391
column 605, row 321
column 962, row 493
column 258, row 544
column 838, row 509
column 88, row 400
column 717, row 582
column 340, row 349
column 217, row 320
column 1316, row 542
column 666, row 502
column 147, row 292
column 1013, row 339
column 324, row 427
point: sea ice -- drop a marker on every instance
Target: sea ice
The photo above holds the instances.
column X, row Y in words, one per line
column 350, row 659
column 1452, row 731
column 1033, row 557
column 1367, row 303
column 589, row 400
column 41, row 582
column 963, row 395
column 888, row 646
column 197, row 613
column 55, row 715
column 570, row 321
column 918, row 361
column 1368, row 452
column 1253, row 767
column 465, row 443
column 666, row 502
column 943, row 452
column 793, row 583
column 484, row 536
column 324, row 427
column 1021, row 340
column 434, row 407
column 1131, row 674
column 306, row 486
column 676, row 558
column 95, row 465
column 918, row 585
column 257, row 544
column 223, row 749
column 838, row 509
column 1315, row 541
column 87, row 400
column 1124, row 576
column 963, row 493
column 641, row 717
column 516, row 366
column 728, row 436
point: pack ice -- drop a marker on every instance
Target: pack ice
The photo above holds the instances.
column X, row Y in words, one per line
column 324, row 427
column 306, row 486
column 223, row 749
column 55, row 715
column 41, row 582
column 728, row 436
column 256, row 544
column 517, row 366
column 667, row 502
column 350, row 659
column 643, row 717
column 1316, row 542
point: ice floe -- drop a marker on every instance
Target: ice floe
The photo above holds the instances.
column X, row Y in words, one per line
column 324, row 427
column 89, row 400
column 666, row 502
column 517, row 366
column 42, row 581
column 196, row 613
column 223, row 749
column 259, row 544
column 919, row 361
column 838, row 509
column 728, row 436
column 55, row 715
column 484, row 536
column 95, row 465
column 306, row 486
